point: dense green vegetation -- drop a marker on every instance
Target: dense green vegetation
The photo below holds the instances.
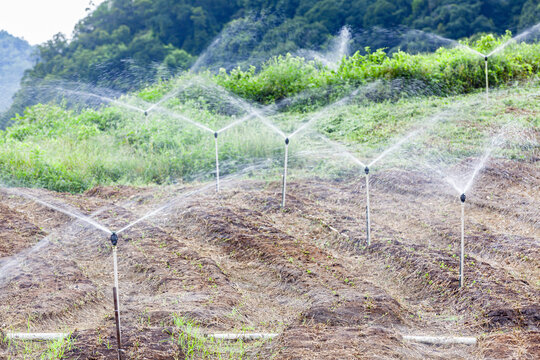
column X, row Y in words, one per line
column 16, row 55
column 447, row 71
column 127, row 44
column 59, row 149
column 66, row 150
column 147, row 32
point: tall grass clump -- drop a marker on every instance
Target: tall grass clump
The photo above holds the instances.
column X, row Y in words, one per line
column 52, row 147
column 279, row 78
column 448, row 71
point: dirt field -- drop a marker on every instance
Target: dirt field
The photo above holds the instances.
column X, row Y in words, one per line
column 237, row 262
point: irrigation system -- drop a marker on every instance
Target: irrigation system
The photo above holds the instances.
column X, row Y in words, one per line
column 515, row 39
column 253, row 112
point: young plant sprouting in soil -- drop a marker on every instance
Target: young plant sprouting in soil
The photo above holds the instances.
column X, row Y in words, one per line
column 191, row 343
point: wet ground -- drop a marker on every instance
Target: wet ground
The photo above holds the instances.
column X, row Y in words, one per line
column 237, row 262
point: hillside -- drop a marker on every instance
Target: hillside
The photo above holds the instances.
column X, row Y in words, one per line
column 377, row 203
column 125, row 44
column 154, row 32
column 235, row 262
column 16, row 56
column 316, row 207
column 110, row 141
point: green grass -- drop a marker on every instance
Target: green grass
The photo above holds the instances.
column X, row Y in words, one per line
column 52, row 147
column 445, row 72
column 58, row 149
column 33, row 350
column 191, row 343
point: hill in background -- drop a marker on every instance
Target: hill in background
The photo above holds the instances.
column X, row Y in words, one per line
column 125, row 45
column 15, row 58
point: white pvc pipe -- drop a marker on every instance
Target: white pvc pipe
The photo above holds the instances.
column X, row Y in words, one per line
column 252, row 336
column 217, row 161
column 368, row 220
column 440, row 340
column 462, row 254
column 36, row 336
column 284, row 188
column 487, row 81
column 115, row 269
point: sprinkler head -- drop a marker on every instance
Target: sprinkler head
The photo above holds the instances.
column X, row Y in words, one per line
column 146, row 113
column 287, row 141
column 462, row 197
column 366, row 170
column 114, row 239
column 486, row 58
column 216, row 134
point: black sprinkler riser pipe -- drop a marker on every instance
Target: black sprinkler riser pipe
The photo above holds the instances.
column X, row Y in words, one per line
column 286, row 141
column 216, row 134
column 463, row 198
column 114, row 239
column 366, row 170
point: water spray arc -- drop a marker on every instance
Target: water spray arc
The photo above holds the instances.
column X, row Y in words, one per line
column 462, row 188
column 73, row 214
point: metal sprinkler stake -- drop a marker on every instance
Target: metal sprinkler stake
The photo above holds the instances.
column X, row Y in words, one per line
column 462, row 255
column 217, row 160
column 114, row 242
column 368, row 221
column 285, row 173
column 487, row 79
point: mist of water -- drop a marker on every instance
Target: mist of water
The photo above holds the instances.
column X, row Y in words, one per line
column 177, row 200
column 342, row 150
column 532, row 31
column 462, row 180
column 324, row 111
column 103, row 98
column 176, row 115
column 73, row 214
column 338, row 49
column 23, row 261
column 169, row 95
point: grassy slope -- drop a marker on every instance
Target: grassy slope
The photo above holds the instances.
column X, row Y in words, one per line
column 61, row 150
column 65, row 150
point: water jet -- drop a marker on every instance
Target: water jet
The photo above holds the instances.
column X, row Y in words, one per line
column 103, row 98
column 73, row 214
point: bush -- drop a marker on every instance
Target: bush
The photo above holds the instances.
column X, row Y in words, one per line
column 454, row 70
column 279, row 78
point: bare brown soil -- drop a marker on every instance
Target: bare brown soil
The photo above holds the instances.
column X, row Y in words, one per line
column 238, row 262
